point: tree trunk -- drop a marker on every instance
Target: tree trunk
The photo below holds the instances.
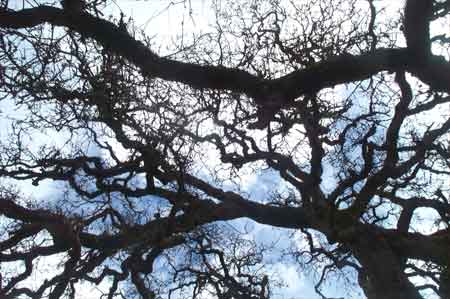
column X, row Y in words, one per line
column 383, row 273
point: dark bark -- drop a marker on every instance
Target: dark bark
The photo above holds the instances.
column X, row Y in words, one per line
column 383, row 271
column 378, row 154
column 341, row 69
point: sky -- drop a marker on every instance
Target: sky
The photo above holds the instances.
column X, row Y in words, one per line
column 163, row 20
column 166, row 22
column 195, row 16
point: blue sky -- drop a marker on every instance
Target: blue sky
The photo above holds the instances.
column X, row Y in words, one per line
column 164, row 22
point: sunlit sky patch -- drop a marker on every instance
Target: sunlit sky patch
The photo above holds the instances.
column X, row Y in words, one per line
column 168, row 23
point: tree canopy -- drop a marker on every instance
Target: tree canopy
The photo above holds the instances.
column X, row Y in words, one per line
column 344, row 104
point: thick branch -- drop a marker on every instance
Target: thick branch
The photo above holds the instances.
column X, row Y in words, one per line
column 337, row 70
column 202, row 212
column 417, row 26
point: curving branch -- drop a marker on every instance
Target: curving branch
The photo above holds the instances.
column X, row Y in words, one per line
column 277, row 92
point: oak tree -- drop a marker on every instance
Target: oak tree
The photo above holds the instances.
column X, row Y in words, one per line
column 344, row 103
